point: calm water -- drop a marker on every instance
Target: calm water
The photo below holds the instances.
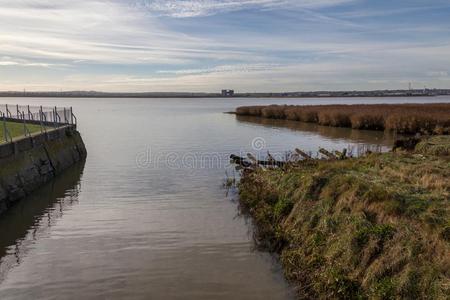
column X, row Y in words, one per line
column 146, row 216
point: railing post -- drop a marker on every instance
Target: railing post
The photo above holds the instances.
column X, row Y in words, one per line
column 57, row 116
column 44, row 119
column 23, row 120
column 54, row 117
column 40, row 121
column 25, row 125
column 5, row 129
column 30, row 115
column 8, row 113
column 74, row 118
column 71, row 115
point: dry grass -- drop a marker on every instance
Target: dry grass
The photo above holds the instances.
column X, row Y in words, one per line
column 374, row 227
column 401, row 118
column 438, row 145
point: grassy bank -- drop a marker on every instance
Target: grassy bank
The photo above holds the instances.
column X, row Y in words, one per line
column 374, row 227
column 16, row 130
column 402, row 118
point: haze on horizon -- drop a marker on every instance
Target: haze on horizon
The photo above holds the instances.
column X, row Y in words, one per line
column 207, row 45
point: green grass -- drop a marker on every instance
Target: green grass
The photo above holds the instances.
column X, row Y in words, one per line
column 375, row 227
column 16, row 130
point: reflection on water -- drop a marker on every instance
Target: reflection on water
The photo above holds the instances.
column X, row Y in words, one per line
column 146, row 232
column 32, row 217
column 368, row 137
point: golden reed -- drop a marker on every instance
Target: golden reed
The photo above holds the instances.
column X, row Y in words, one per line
column 402, row 118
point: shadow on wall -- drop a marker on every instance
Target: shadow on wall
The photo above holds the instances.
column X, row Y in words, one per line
column 334, row 133
column 36, row 213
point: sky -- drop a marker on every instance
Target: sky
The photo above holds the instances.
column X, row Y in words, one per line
column 209, row 45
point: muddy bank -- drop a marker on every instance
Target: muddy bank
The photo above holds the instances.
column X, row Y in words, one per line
column 371, row 227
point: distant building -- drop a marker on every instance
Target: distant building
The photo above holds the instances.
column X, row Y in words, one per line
column 227, row 93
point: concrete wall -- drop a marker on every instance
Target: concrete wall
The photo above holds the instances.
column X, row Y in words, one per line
column 28, row 163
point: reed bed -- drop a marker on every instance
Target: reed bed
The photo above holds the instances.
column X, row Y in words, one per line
column 402, row 118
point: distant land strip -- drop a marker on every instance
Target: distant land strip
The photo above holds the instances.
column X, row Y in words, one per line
column 316, row 94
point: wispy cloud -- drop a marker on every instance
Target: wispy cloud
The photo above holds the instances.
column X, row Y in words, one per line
column 10, row 61
column 94, row 31
column 195, row 8
column 111, row 32
column 364, row 13
column 156, row 45
column 224, row 69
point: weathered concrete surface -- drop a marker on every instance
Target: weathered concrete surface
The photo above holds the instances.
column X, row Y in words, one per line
column 28, row 163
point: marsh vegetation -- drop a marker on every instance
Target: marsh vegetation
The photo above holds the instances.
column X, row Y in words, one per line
column 373, row 227
column 401, row 118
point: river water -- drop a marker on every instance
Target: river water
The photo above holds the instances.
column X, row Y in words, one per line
column 146, row 216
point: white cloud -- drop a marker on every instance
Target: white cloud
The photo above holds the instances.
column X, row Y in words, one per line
column 237, row 68
column 438, row 74
column 10, row 61
column 76, row 39
column 98, row 31
column 110, row 32
column 194, row 8
column 325, row 75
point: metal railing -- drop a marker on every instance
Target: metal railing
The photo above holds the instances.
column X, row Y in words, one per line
column 44, row 117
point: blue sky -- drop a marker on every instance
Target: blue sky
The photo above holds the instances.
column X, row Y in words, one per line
column 207, row 45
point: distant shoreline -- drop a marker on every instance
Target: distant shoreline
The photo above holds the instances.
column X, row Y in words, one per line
column 317, row 94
